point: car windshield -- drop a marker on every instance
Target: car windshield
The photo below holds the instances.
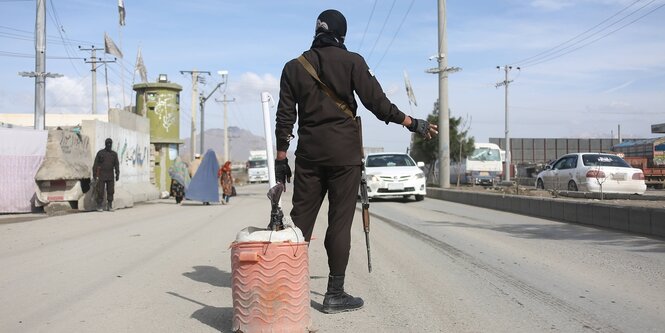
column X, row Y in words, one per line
column 604, row 160
column 389, row 160
column 485, row 154
column 258, row 164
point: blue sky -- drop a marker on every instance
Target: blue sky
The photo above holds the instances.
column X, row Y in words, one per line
column 619, row 78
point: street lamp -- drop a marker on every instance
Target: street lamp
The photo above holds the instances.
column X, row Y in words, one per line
column 203, row 100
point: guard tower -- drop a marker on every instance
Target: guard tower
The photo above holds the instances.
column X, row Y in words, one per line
column 160, row 102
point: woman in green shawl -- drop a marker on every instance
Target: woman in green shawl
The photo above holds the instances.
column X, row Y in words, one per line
column 179, row 179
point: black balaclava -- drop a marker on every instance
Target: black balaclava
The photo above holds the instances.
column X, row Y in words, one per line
column 107, row 144
column 330, row 29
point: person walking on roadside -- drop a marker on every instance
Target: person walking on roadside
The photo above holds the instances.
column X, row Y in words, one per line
column 179, row 179
column 105, row 165
column 226, row 181
column 317, row 89
column 204, row 186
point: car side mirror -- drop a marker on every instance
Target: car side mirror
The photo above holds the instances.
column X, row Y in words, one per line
column 420, row 164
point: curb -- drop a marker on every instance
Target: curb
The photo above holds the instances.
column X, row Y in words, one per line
column 639, row 220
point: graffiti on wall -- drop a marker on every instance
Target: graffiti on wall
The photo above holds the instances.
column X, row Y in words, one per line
column 132, row 155
column 133, row 151
column 74, row 143
column 165, row 110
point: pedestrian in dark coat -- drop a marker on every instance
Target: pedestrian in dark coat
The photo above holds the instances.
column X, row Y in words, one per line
column 329, row 153
column 105, row 170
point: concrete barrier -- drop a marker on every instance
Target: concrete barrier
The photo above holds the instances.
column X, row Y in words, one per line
column 639, row 220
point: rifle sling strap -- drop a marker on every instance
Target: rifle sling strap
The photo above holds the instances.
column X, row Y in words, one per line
column 312, row 72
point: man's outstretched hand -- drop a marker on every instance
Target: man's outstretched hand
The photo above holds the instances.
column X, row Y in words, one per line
column 423, row 128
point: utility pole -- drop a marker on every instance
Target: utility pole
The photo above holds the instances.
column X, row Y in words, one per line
column 40, row 73
column 444, row 114
column 505, row 83
column 202, row 103
column 195, row 79
column 226, row 126
column 94, row 61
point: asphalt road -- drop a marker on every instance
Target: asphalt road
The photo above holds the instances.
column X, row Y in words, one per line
column 437, row 267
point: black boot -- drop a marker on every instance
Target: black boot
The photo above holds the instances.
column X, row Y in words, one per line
column 109, row 207
column 336, row 300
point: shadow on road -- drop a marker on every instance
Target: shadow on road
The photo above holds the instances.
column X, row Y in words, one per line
column 210, row 275
column 217, row 318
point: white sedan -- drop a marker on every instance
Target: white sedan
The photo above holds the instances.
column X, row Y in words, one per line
column 592, row 172
column 394, row 174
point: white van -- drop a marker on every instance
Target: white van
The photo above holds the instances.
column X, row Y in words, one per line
column 482, row 167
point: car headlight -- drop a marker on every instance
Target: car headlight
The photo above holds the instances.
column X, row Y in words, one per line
column 373, row 178
column 420, row 175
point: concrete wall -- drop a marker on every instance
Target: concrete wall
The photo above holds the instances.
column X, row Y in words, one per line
column 133, row 149
column 541, row 150
column 130, row 121
column 67, row 156
column 640, row 220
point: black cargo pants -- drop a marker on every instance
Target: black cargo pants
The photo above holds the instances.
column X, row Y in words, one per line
column 310, row 185
column 110, row 190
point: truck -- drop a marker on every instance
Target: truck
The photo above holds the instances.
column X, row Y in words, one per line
column 257, row 166
column 481, row 167
column 648, row 155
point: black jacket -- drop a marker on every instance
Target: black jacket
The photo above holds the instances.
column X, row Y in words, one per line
column 326, row 135
column 105, row 163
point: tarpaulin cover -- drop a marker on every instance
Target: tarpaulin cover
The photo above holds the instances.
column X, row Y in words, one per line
column 204, row 185
column 21, row 153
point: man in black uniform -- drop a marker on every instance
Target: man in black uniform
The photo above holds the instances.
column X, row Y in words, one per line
column 329, row 152
column 106, row 162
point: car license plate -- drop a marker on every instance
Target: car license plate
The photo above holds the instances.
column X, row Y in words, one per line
column 395, row 186
column 619, row 176
column 484, row 173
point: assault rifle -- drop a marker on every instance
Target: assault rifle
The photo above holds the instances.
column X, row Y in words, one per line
column 364, row 199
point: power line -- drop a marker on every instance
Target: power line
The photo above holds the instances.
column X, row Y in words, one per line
column 560, row 50
column 28, row 55
column 371, row 14
column 595, row 40
column 382, row 28
column 576, row 36
column 54, row 16
column 53, row 39
column 395, row 35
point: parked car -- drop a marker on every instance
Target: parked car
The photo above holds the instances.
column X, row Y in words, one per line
column 394, row 174
column 592, row 172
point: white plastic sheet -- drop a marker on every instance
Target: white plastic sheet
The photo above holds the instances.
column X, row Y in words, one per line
column 291, row 233
column 21, row 153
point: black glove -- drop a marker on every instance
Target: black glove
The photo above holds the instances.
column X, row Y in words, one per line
column 419, row 126
column 117, row 177
column 282, row 171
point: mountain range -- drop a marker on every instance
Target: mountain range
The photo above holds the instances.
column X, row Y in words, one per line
column 241, row 141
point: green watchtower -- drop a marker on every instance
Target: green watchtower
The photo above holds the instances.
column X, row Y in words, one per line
column 160, row 102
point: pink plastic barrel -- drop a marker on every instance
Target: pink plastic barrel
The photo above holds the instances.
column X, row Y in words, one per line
column 270, row 287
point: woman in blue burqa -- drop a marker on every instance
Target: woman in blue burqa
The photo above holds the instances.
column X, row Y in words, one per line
column 203, row 186
column 179, row 179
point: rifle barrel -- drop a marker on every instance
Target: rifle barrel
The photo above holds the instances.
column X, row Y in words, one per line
column 369, row 256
